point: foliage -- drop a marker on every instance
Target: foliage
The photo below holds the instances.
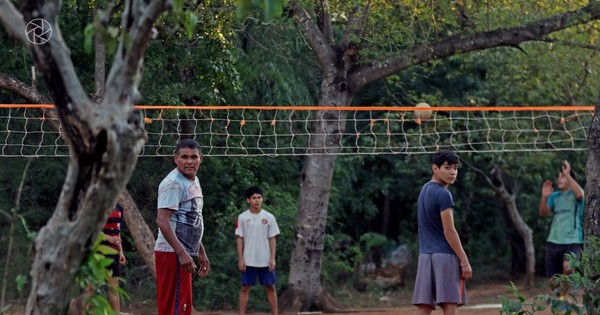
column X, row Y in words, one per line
column 270, row 8
column 563, row 300
column 37, row 200
column 343, row 258
column 194, row 65
column 92, row 279
column 275, row 66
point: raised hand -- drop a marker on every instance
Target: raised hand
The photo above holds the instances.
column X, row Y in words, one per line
column 547, row 188
column 566, row 168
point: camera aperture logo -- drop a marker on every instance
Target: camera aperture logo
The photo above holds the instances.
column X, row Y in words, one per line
column 38, row 31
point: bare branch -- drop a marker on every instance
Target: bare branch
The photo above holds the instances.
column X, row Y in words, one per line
column 314, row 37
column 13, row 22
column 324, row 19
column 484, row 174
column 17, row 86
column 22, row 183
column 99, row 57
column 356, row 25
column 568, row 43
column 125, row 73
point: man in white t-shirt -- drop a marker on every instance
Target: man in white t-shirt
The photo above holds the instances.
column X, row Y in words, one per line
column 256, row 231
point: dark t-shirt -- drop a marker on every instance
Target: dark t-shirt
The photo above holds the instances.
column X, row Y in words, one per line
column 433, row 199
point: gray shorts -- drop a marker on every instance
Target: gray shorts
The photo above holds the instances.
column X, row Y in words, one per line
column 438, row 281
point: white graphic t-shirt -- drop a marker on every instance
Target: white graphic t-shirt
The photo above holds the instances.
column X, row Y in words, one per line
column 183, row 196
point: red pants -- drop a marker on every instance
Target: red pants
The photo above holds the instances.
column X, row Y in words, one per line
column 173, row 285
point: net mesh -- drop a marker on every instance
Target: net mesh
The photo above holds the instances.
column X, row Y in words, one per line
column 26, row 130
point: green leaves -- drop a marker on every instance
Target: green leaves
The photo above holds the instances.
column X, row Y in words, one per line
column 270, row 8
column 93, row 278
column 88, row 41
column 566, row 285
column 110, row 37
column 190, row 21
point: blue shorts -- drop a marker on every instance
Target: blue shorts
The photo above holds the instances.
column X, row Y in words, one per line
column 265, row 277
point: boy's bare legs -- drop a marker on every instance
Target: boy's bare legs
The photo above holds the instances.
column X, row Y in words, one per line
column 272, row 297
column 424, row 309
column 113, row 295
column 449, row 308
column 244, row 293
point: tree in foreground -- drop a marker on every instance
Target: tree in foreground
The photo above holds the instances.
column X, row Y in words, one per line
column 105, row 140
column 105, row 136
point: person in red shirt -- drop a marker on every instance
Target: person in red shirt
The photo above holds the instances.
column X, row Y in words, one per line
column 112, row 238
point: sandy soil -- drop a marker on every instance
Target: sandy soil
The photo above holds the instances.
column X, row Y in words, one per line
column 483, row 300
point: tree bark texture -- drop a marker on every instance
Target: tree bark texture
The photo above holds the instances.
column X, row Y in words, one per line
column 315, row 186
column 140, row 231
column 105, row 139
column 592, row 205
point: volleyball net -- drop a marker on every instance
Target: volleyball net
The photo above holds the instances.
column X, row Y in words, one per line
column 25, row 129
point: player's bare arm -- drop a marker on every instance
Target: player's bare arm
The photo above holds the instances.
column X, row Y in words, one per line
column 454, row 241
column 240, row 252
column 272, row 249
column 573, row 184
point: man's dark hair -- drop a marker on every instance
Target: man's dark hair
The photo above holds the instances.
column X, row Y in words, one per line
column 187, row 143
column 445, row 156
column 253, row 190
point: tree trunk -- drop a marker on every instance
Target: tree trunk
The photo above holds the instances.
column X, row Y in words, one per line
column 140, row 232
column 91, row 185
column 510, row 206
column 105, row 141
column 592, row 206
column 305, row 292
column 508, row 196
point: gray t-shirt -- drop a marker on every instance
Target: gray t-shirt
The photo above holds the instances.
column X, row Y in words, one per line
column 433, row 199
column 183, row 196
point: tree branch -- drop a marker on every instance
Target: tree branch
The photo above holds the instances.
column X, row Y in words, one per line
column 324, row 20
column 99, row 54
column 569, row 43
column 357, row 23
column 314, row 37
column 484, row 174
column 125, row 73
column 419, row 54
column 12, row 20
column 17, row 86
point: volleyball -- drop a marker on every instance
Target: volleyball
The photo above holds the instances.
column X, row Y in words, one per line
column 423, row 114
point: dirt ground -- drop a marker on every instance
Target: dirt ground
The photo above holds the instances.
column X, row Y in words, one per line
column 483, row 300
